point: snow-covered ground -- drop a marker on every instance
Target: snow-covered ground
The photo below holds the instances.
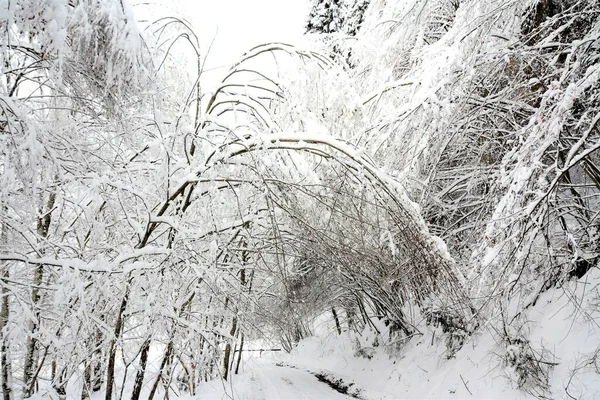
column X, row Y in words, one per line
column 264, row 380
column 563, row 326
column 563, row 329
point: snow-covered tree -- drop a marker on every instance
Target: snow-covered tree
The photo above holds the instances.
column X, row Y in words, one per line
column 326, row 16
column 445, row 181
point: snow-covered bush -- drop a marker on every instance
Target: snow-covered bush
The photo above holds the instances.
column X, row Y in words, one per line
column 450, row 172
column 531, row 368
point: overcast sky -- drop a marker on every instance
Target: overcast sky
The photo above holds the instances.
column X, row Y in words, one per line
column 238, row 25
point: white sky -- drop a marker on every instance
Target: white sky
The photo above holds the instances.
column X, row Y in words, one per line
column 238, row 25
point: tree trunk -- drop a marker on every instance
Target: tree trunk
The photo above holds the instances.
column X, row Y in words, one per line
column 337, row 321
column 228, row 350
column 93, row 373
column 6, row 367
column 112, row 353
column 161, row 370
column 97, row 376
column 243, row 283
column 87, row 382
column 226, row 361
column 139, row 378
column 59, row 381
column 237, row 365
column 4, row 314
column 30, row 362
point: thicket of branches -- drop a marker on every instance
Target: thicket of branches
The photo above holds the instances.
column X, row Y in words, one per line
column 487, row 112
column 447, row 172
column 144, row 219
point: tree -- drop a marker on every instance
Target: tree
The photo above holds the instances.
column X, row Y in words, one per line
column 326, row 16
column 140, row 213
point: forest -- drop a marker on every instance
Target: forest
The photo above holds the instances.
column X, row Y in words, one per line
column 423, row 169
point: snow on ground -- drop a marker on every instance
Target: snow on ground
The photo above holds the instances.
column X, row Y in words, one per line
column 263, row 380
column 420, row 371
column 563, row 326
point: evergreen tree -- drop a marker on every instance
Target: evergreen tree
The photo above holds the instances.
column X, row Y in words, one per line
column 355, row 16
column 326, row 16
column 331, row 16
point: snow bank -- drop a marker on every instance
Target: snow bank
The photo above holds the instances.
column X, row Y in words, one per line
column 562, row 325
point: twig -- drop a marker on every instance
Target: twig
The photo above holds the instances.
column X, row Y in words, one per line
column 465, row 383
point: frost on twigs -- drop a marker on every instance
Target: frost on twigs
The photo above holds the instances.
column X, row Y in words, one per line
column 107, row 49
column 531, row 368
column 453, row 325
column 92, row 46
column 451, row 171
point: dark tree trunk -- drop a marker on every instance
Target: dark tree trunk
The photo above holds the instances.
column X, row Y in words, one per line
column 239, row 359
column 337, row 321
column 163, row 365
column 5, row 361
column 30, row 363
column 112, row 353
column 228, row 350
column 139, row 378
column 4, row 314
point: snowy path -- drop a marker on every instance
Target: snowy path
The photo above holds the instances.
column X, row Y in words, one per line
column 288, row 383
column 265, row 381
